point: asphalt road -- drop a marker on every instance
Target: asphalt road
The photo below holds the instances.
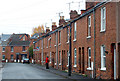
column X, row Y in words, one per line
column 25, row 71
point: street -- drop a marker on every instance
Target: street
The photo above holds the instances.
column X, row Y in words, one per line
column 26, row 71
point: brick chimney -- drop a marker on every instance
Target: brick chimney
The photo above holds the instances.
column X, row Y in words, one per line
column 61, row 21
column 89, row 4
column 73, row 14
column 54, row 26
column 47, row 29
column 83, row 11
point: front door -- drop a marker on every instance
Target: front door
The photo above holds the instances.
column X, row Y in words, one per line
column 79, row 60
column 82, row 60
column 63, row 59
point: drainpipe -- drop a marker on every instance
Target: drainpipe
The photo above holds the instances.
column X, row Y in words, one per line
column 56, row 50
column 94, row 70
column 117, row 40
column 70, row 53
column 42, row 51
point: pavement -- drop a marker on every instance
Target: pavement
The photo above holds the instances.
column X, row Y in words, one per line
column 64, row 74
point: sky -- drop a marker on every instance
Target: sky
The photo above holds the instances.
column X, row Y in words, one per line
column 21, row 16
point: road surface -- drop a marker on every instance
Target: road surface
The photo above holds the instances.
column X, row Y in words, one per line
column 26, row 71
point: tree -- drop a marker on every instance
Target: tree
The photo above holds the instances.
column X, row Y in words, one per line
column 31, row 51
column 39, row 29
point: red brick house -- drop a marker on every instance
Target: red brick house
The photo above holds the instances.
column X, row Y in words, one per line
column 95, row 42
column 15, row 48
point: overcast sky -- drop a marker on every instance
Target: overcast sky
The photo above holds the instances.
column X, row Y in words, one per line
column 20, row 16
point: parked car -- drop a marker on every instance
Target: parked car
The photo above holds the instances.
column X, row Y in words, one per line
column 26, row 60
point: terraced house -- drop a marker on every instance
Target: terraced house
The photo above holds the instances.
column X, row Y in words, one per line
column 14, row 47
column 95, row 42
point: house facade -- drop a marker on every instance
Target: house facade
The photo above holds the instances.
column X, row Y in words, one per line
column 15, row 48
column 95, row 42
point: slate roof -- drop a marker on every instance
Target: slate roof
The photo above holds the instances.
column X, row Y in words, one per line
column 15, row 40
column 4, row 39
column 36, row 35
column 19, row 43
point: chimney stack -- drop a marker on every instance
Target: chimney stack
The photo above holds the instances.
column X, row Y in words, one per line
column 73, row 14
column 54, row 26
column 47, row 29
column 91, row 4
column 61, row 21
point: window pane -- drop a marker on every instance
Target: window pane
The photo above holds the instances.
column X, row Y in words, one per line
column 68, row 34
column 104, row 61
column 11, row 56
column 3, row 48
column 75, row 57
column 89, row 52
column 23, row 48
column 89, row 62
column 3, row 57
column 75, row 31
column 68, row 57
column 104, row 51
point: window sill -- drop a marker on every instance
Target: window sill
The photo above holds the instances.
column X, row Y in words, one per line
column 23, row 51
column 67, row 65
column 60, row 64
column 67, row 42
column 46, row 47
column 59, row 44
column 3, row 51
column 55, row 63
column 89, row 68
column 88, row 37
column 102, row 31
column 75, row 66
column 74, row 40
column 12, row 51
column 103, row 69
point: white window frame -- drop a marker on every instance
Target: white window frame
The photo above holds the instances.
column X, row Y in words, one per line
column 68, row 35
column 2, row 49
column 60, row 58
column 55, row 39
column 59, row 37
column 75, row 57
column 89, row 27
column 103, row 55
column 47, row 42
column 50, row 58
column 103, row 19
column 12, row 57
column 23, row 50
column 12, row 49
column 2, row 57
column 89, row 58
column 75, row 31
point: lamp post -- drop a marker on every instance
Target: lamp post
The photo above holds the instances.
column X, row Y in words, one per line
column 70, row 52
